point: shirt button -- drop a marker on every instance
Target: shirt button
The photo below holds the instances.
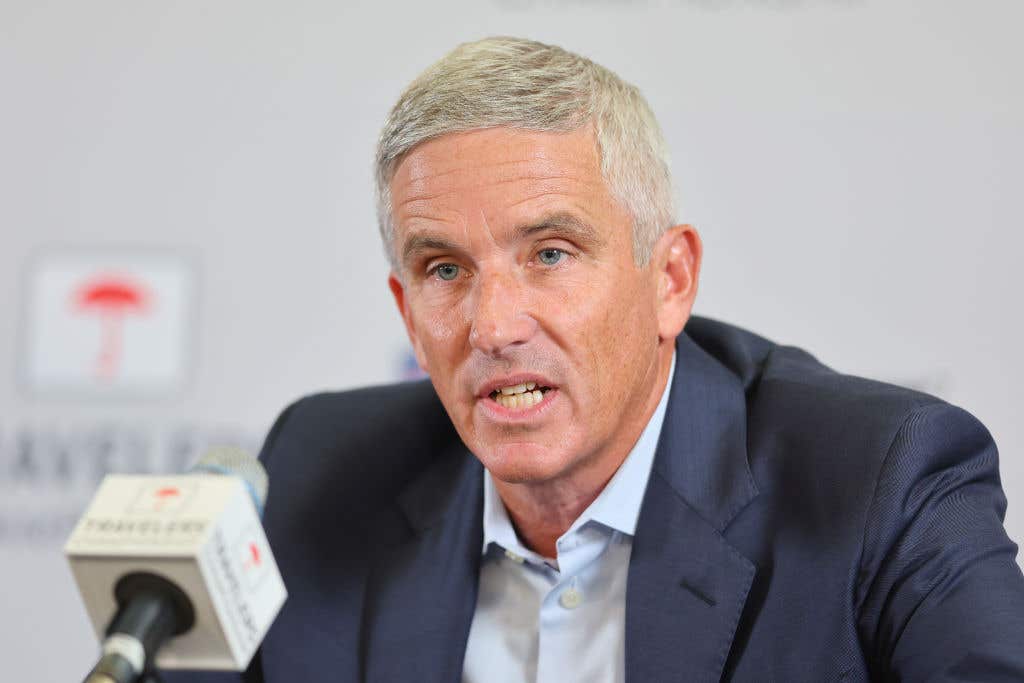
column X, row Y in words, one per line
column 570, row 598
column 515, row 558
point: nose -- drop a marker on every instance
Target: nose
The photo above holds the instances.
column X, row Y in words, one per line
column 500, row 318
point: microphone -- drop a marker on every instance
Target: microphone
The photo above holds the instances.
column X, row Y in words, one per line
column 175, row 570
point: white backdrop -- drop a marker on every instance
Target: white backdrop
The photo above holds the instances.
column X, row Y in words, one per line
column 854, row 166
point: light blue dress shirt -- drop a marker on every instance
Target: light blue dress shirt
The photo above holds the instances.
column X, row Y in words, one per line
column 561, row 620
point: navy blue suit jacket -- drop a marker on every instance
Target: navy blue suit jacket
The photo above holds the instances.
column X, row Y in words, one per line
column 798, row 525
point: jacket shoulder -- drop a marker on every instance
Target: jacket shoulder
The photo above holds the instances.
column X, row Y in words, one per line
column 795, row 389
column 878, row 505
column 348, row 452
column 810, row 429
column 370, row 416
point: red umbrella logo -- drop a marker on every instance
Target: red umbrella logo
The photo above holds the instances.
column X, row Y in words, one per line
column 112, row 298
column 166, row 495
column 252, row 559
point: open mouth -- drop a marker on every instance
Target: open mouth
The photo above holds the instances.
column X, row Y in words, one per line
column 519, row 396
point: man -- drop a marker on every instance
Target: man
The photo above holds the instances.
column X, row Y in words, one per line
column 585, row 491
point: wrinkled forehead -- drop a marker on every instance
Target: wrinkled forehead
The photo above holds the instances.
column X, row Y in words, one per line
column 584, row 130
column 503, row 153
column 506, row 179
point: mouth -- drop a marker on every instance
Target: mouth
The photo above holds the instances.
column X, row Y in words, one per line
column 519, row 396
column 522, row 394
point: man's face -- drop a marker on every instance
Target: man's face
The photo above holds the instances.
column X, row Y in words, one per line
column 516, row 268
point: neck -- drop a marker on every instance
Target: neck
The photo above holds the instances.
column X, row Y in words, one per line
column 543, row 511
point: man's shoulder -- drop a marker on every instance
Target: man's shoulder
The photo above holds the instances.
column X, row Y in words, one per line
column 878, row 509
column 805, row 417
column 351, row 451
column 368, row 415
column 789, row 380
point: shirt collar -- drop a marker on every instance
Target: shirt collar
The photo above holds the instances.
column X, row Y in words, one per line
column 618, row 504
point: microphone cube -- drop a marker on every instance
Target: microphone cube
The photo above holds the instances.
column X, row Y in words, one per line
column 202, row 533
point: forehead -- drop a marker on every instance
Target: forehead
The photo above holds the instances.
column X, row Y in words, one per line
column 499, row 174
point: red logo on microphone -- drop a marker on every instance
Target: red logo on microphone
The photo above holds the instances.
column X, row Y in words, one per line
column 165, row 495
column 253, row 554
column 253, row 561
column 162, row 498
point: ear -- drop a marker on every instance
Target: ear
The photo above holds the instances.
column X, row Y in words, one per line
column 676, row 259
column 398, row 291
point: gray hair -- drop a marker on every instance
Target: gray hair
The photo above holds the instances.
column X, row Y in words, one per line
column 532, row 86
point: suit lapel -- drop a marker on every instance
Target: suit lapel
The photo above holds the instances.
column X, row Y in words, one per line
column 687, row 585
column 422, row 592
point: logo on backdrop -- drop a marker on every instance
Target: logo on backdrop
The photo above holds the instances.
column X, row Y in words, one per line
column 108, row 323
column 111, row 299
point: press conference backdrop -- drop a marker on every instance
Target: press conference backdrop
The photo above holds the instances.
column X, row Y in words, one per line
column 188, row 236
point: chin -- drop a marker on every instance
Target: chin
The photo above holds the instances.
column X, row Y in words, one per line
column 523, row 463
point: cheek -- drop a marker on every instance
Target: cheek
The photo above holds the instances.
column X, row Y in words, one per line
column 615, row 328
column 440, row 329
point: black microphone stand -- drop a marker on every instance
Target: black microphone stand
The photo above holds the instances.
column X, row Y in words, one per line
column 151, row 610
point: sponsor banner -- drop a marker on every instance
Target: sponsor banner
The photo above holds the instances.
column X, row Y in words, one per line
column 107, row 322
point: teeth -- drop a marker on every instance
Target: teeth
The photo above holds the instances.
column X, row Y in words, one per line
column 519, row 401
column 517, row 389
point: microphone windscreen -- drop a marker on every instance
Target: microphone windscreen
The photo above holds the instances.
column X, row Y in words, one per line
column 235, row 462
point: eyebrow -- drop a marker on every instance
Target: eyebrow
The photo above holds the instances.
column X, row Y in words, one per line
column 565, row 225
column 560, row 224
column 418, row 244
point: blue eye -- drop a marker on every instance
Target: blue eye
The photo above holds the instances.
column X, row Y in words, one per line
column 550, row 257
column 447, row 271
